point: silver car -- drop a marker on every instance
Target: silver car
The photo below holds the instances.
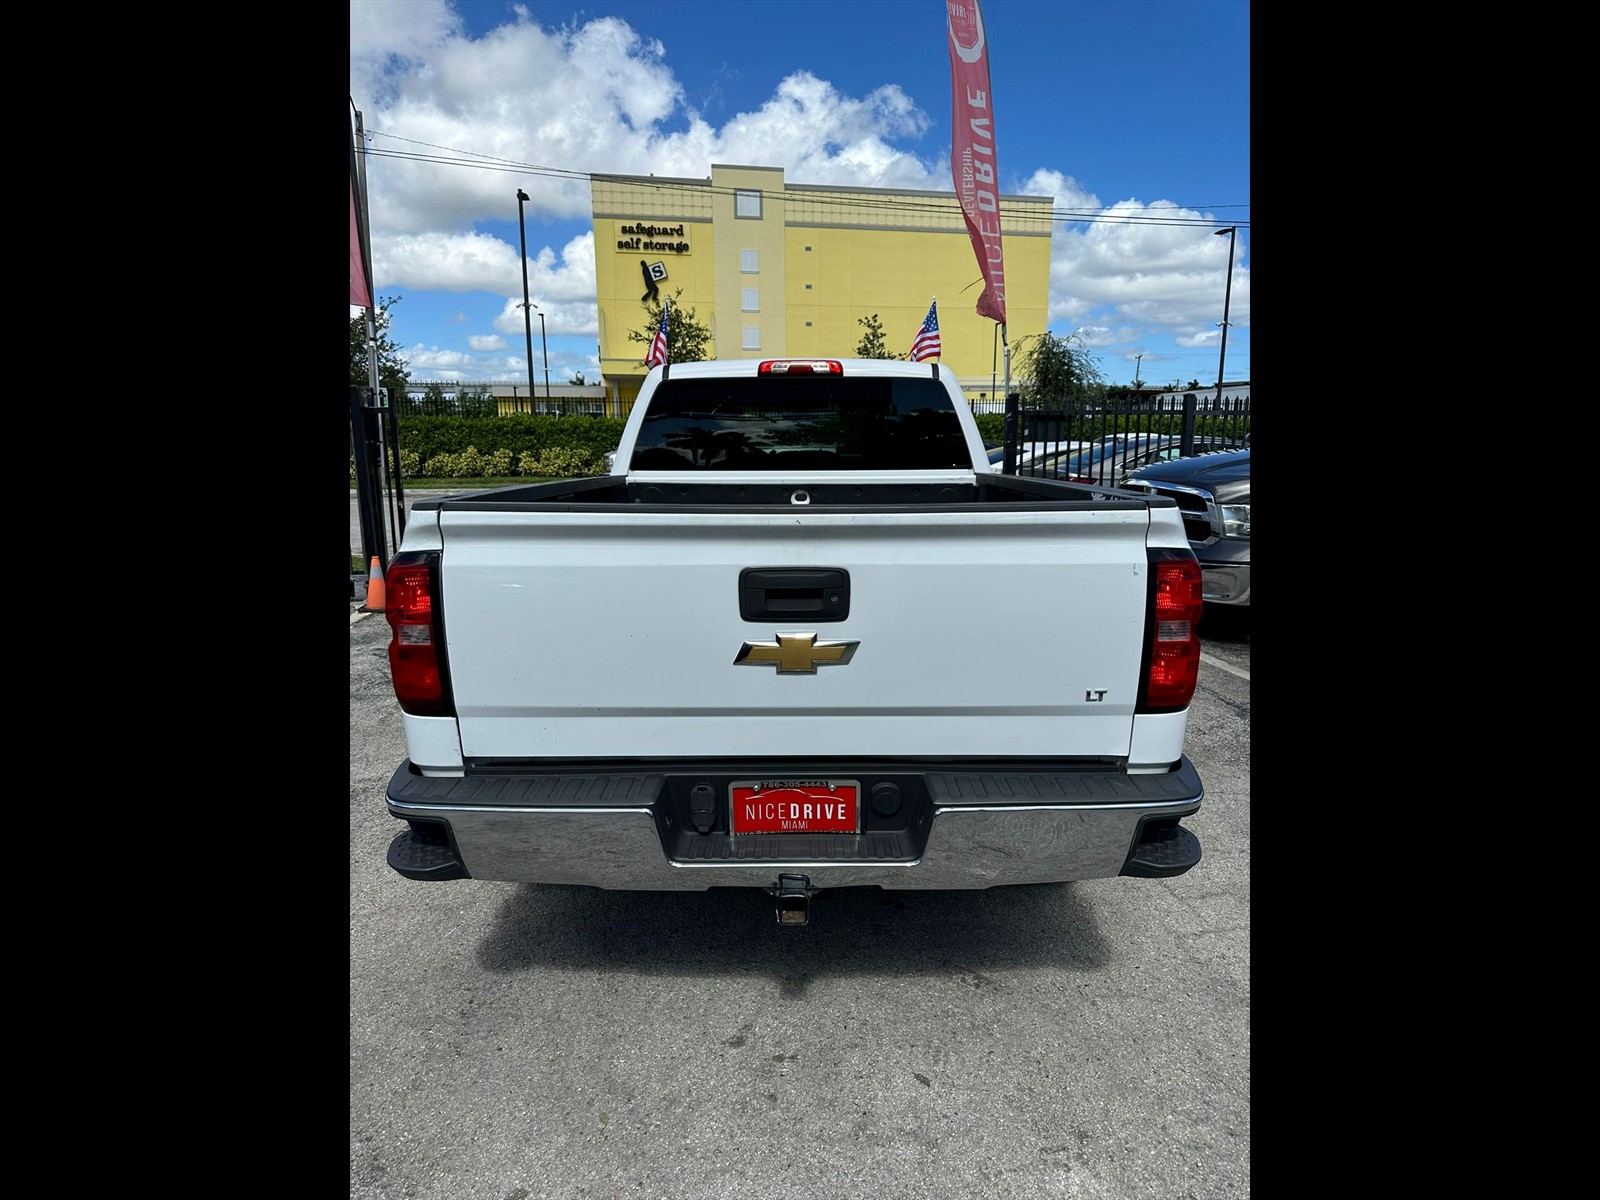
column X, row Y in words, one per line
column 1116, row 456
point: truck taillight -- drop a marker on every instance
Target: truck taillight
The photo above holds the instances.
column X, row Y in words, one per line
column 800, row 366
column 415, row 665
column 1172, row 638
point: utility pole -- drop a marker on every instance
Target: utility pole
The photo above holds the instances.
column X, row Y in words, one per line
column 545, row 347
column 1136, row 359
column 527, row 314
column 1227, row 295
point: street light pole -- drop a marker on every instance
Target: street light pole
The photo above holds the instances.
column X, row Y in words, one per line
column 1227, row 296
column 527, row 316
column 545, row 347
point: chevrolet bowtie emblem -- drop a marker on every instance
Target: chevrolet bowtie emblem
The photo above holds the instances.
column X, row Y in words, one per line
column 795, row 654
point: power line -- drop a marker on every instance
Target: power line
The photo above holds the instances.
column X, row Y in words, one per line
column 1061, row 216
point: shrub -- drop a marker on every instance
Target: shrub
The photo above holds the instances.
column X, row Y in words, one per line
column 992, row 426
column 561, row 463
column 522, row 434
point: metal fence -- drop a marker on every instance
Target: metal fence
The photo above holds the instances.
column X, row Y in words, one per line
column 1133, row 426
column 1076, row 420
column 591, row 401
column 1036, row 440
column 477, row 405
column 1068, row 420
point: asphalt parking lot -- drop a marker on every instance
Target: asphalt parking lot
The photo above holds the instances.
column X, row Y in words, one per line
column 1073, row 1040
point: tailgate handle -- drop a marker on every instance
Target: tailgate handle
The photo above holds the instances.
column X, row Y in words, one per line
column 794, row 593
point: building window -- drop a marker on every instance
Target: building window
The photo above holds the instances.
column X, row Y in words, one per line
column 747, row 204
column 808, row 249
column 749, row 299
column 752, row 337
column 808, row 324
column 747, row 263
column 808, row 287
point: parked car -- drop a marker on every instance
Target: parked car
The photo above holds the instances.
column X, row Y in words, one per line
column 1213, row 494
column 1028, row 452
column 1103, row 462
column 1114, row 457
column 1167, row 453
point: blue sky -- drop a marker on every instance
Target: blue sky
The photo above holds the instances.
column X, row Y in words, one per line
column 1133, row 114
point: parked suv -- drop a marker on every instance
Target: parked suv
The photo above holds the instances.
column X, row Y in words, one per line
column 1213, row 493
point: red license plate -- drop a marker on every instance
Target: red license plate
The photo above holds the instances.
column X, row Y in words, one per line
column 794, row 806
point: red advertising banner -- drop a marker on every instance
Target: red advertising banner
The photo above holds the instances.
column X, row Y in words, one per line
column 972, row 157
column 360, row 285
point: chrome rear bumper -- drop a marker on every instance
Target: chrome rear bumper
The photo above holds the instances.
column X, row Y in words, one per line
column 969, row 829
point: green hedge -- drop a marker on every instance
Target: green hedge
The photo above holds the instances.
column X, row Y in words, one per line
column 524, row 435
column 455, row 446
column 471, row 447
column 465, row 447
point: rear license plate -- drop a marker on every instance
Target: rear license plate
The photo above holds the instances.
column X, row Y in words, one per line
column 794, row 806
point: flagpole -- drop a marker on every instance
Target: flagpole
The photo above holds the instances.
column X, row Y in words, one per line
column 1010, row 467
column 1007, row 345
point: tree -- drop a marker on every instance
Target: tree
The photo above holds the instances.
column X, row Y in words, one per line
column 1056, row 371
column 687, row 338
column 576, row 380
column 872, row 344
column 434, row 402
column 392, row 370
column 475, row 400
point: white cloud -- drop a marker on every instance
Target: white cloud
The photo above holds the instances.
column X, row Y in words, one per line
column 445, row 262
column 596, row 96
column 429, row 362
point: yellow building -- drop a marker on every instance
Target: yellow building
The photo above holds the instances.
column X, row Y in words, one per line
column 778, row 270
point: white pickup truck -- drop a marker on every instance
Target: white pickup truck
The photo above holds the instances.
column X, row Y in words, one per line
column 806, row 637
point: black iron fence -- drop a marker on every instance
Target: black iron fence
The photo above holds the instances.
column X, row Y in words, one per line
column 1101, row 440
column 1088, row 420
column 469, row 404
column 1098, row 439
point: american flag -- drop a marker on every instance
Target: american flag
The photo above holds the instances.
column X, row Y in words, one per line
column 927, row 344
column 658, row 344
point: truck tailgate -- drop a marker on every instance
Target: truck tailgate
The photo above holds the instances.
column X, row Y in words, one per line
column 978, row 633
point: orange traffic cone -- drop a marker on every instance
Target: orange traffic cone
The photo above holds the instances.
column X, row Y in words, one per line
column 374, row 588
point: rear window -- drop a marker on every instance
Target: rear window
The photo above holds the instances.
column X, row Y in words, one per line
column 808, row 423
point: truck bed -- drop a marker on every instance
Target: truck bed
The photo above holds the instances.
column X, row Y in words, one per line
column 833, row 489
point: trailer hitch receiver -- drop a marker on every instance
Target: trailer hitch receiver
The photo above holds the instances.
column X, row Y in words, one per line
column 793, row 894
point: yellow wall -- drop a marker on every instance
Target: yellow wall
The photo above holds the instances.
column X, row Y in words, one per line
column 827, row 257
column 733, row 235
